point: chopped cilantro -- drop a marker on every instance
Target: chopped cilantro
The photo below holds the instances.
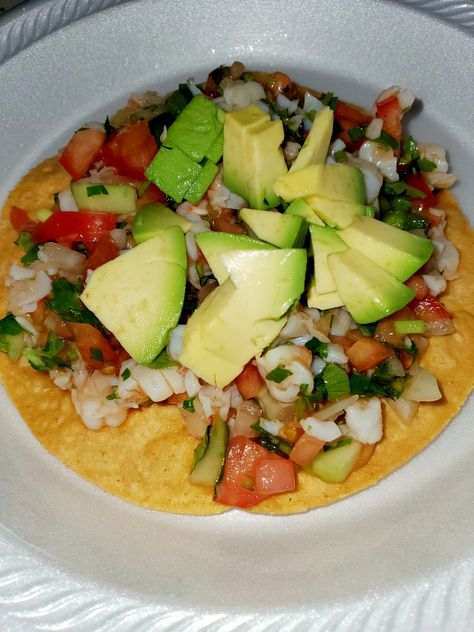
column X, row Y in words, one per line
column 96, row 354
column 317, row 348
column 96, row 189
column 357, row 133
column 67, row 304
column 410, row 151
column 330, row 99
column 113, row 393
column 425, row 165
column 378, row 384
column 47, row 358
column 125, row 374
column 25, row 241
column 279, row 374
column 336, row 381
column 9, row 326
column 340, row 156
column 188, row 405
column 367, row 330
column 30, row 256
column 387, row 140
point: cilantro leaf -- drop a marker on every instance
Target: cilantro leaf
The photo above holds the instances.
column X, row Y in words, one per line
column 67, row 304
column 279, row 374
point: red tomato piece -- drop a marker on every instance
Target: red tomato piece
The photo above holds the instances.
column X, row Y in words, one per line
column 305, row 449
column 237, row 487
column 20, row 220
column 367, row 353
column 93, row 347
column 390, row 112
column 353, row 113
column 418, row 285
column 274, row 475
column 152, row 195
column 75, row 226
column 81, row 151
column 417, row 181
column 105, row 249
column 131, row 150
column 430, row 309
column 249, row 382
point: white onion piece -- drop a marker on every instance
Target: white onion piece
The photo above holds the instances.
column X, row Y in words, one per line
column 247, row 414
column 312, row 104
column 318, row 365
column 301, row 341
column 341, row 322
column 404, row 409
column 175, row 344
column 364, row 420
column 405, row 99
column 273, row 427
column 196, row 421
column 422, row 386
column 388, row 92
column 374, row 129
column 335, row 353
column 337, row 145
column 67, row 201
column 285, row 104
column 323, row 430
column 120, row 237
column 337, row 406
column 239, row 94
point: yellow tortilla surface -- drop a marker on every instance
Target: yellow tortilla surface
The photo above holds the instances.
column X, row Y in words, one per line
column 147, row 460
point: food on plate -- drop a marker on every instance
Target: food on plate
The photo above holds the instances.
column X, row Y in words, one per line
column 245, row 293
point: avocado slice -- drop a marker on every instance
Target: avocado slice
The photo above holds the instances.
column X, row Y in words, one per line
column 106, row 198
column 253, row 157
column 399, row 252
column 369, row 292
column 280, row 229
column 324, row 241
column 173, row 172
column 335, row 213
column 207, row 173
column 152, row 218
column 209, row 456
column 244, row 314
column 329, row 300
column 336, row 182
column 316, row 145
column 214, row 244
column 139, row 295
column 335, row 465
column 302, row 209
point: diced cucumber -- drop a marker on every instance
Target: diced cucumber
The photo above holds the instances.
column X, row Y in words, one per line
column 334, row 466
column 209, row 456
column 106, row 198
column 14, row 346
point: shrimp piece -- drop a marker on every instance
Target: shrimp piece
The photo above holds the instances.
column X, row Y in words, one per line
column 292, row 358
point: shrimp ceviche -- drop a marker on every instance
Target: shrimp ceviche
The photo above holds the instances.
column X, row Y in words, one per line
column 267, row 258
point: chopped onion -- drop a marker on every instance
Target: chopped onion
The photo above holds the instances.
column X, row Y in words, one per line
column 323, row 430
column 67, row 201
column 404, row 409
column 335, row 353
column 364, row 420
column 273, row 427
column 374, row 129
column 247, row 414
column 337, row 145
column 341, row 322
column 285, row 104
column 239, row 94
column 422, row 386
column 318, row 365
column 312, row 104
column 405, row 99
column 337, row 406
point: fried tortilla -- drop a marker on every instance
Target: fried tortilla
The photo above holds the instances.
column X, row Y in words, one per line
column 147, row 459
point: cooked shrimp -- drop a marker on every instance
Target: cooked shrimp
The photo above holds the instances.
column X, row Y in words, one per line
column 292, row 358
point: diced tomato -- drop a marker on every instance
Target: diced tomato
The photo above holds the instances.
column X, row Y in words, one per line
column 305, row 449
column 353, row 113
column 417, row 181
column 246, row 467
column 93, row 347
column 67, row 228
column 152, row 195
column 211, row 89
column 20, row 220
column 430, row 309
column 249, row 382
column 367, row 353
column 418, row 285
column 131, row 150
column 390, row 112
column 105, row 249
column 81, row 151
column 274, row 475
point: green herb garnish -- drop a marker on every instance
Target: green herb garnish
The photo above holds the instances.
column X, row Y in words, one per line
column 125, row 374
column 336, row 381
column 67, row 304
column 163, row 361
column 279, row 374
column 425, row 165
column 357, row 133
column 113, row 393
column 96, row 354
column 387, row 140
column 188, row 404
column 47, row 358
column 330, row 99
column 317, row 347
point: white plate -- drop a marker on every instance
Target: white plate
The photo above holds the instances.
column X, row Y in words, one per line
column 398, row 556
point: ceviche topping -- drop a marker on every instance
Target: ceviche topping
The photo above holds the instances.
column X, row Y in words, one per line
column 268, row 258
